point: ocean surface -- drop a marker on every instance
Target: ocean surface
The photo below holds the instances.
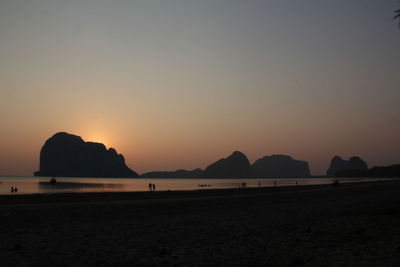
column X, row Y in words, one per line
column 41, row 185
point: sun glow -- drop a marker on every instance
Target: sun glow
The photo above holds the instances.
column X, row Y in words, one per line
column 97, row 138
column 95, row 132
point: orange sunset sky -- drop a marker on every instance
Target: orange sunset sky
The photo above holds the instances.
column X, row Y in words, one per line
column 181, row 84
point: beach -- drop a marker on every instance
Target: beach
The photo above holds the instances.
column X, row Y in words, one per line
column 348, row 225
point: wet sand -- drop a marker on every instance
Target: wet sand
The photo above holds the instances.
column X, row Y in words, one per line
column 349, row 225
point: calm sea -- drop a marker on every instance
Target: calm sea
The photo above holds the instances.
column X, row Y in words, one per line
column 34, row 185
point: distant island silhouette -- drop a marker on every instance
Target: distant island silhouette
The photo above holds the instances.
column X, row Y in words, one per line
column 235, row 166
column 238, row 166
column 356, row 167
column 388, row 171
column 339, row 165
column 279, row 166
column 69, row 155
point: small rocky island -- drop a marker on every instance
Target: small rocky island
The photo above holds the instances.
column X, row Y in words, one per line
column 279, row 166
column 235, row 166
column 339, row 165
column 69, row 155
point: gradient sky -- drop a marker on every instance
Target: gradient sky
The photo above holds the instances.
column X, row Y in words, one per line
column 179, row 84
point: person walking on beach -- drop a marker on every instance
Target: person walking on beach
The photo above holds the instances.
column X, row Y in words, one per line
column 150, row 186
column 53, row 180
column 154, row 187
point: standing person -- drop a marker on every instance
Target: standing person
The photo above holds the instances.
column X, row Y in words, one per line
column 150, row 186
column 154, row 187
column 259, row 184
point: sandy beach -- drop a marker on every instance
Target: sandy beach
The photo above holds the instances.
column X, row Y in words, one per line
column 348, row 225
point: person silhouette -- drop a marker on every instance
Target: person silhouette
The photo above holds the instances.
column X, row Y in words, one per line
column 154, row 187
column 15, row 189
column 150, row 186
column 12, row 189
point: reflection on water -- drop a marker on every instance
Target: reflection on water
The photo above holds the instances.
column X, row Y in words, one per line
column 33, row 185
column 79, row 187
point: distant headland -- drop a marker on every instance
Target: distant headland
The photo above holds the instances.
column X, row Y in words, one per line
column 237, row 165
column 356, row 167
column 338, row 165
column 69, row 155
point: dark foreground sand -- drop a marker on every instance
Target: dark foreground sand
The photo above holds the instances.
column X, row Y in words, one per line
column 350, row 225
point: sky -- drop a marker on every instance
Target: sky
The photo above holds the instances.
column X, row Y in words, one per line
column 176, row 84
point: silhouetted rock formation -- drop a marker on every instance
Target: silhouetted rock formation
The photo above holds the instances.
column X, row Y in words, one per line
column 196, row 173
column 68, row 155
column 235, row 166
column 356, row 163
column 389, row 171
column 339, row 164
column 279, row 166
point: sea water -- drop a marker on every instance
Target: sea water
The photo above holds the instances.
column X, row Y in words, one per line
column 41, row 185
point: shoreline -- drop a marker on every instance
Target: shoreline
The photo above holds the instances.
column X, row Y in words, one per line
column 58, row 197
column 167, row 193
